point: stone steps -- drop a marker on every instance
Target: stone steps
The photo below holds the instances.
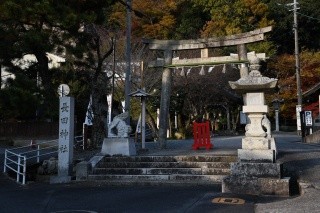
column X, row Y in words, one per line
column 163, row 164
column 158, row 179
column 162, row 169
column 197, row 158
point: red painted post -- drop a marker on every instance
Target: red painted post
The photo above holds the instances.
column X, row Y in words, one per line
column 201, row 135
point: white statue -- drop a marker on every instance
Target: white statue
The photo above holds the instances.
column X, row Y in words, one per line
column 118, row 127
column 266, row 124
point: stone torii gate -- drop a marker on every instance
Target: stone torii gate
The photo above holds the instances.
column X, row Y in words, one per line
column 168, row 46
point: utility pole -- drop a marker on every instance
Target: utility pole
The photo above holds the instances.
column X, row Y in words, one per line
column 128, row 60
column 297, row 64
column 296, row 48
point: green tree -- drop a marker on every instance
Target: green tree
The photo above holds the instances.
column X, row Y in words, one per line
column 308, row 21
column 39, row 27
column 190, row 19
column 73, row 29
column 19, row 99
column 231, row 17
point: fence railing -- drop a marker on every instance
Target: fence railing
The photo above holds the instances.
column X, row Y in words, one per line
column 16, row 158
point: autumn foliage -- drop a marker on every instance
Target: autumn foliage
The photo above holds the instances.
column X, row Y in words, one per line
column 283, row 67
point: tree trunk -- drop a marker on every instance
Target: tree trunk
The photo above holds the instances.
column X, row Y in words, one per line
column 152, row 124
column 45, row 75
column 100, row 110
column 100, row 90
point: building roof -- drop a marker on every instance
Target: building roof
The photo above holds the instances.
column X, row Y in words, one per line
column 311, row 91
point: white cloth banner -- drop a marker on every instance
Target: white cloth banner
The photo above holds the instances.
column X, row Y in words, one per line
column 109, row 99
column 138, row 128
column 89, row 114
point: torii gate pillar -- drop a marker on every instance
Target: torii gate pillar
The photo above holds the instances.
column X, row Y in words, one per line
column 165, row 99
column 242, row 52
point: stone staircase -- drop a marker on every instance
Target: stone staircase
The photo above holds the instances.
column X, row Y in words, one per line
column 154, row 170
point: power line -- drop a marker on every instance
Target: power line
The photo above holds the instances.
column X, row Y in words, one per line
column 287, row 6
column 310, row 17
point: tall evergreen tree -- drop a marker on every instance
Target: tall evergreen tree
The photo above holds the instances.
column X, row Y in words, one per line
column 41, row 27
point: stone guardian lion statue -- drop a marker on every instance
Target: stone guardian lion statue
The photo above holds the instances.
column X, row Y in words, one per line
column 118, row 127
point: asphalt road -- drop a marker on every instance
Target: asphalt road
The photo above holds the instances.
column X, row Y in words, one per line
column 97, row 197
column 102, row 198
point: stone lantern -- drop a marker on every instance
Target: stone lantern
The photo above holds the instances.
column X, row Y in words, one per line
column 142, row 95
column 256, row 146
column 276, row 106
column 256, row 171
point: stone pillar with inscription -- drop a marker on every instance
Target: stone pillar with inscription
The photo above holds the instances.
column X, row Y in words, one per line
column 256, row 171
column 66, row 137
